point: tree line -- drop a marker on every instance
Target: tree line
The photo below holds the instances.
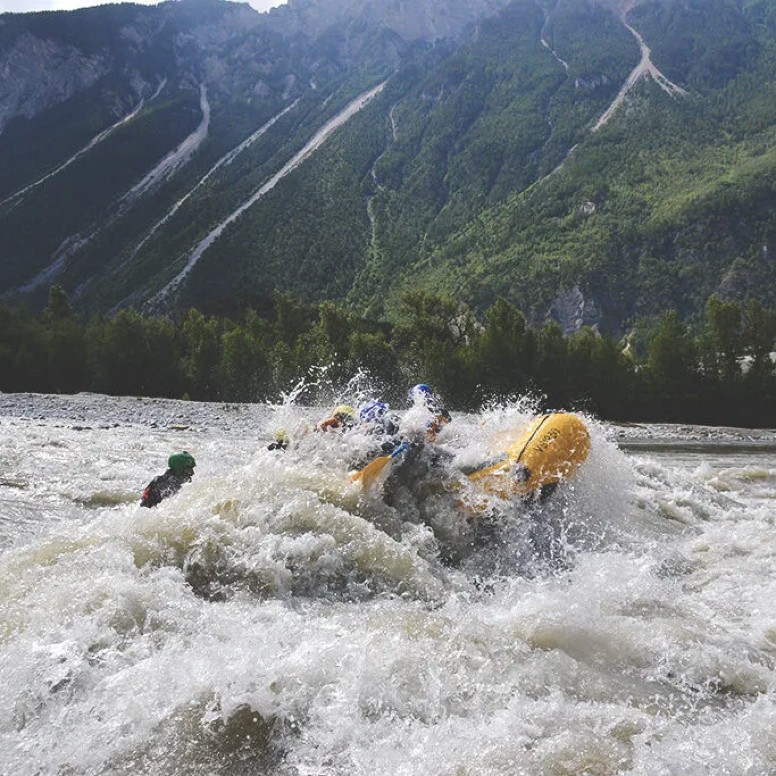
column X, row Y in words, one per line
column 720, row 372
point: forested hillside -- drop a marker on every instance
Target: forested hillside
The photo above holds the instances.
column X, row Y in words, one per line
column 589, row 163
column 723, row 374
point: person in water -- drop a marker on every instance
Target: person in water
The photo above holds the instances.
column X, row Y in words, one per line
column 418, row 458
column 423, row 395
column 421, row 483
column 378, row 421
column 280, row 440
column 342, row 418
column 180, row 470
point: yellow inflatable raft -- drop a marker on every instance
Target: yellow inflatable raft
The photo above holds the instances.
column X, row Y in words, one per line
column 550, row 449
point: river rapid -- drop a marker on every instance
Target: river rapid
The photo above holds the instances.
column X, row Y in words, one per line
column 272, row 619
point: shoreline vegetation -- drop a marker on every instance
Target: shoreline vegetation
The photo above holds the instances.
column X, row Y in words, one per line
column 718, row 372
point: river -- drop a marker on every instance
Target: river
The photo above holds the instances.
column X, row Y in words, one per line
column 270, row 619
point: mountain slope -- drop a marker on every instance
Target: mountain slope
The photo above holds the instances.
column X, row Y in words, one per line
column 589, row 162
column 667, row 204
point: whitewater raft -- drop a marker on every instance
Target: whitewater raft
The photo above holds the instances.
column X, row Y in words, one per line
column 547, row 452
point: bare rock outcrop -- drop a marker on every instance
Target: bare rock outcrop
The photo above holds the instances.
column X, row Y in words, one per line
column 411, row 19
column 573, row 310
column 36, row 74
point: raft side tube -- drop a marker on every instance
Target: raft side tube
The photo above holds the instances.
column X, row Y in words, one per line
column 548, row 451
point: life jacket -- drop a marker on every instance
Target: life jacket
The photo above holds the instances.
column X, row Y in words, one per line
column 441, row 418
column 161, row 487
column 335, row 422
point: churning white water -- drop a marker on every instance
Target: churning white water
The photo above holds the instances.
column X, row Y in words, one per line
column 270, row 619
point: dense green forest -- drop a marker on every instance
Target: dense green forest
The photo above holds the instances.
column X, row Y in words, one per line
column 722, row 373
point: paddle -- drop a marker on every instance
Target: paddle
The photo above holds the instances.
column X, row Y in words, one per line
column 369, row 474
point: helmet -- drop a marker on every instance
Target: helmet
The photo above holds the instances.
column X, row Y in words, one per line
column 422, row 394
column 281, row 435
column 178, row 462
column 342, row 411
column 372, row 412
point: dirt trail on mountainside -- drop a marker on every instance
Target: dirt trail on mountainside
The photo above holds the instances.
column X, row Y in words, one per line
column 161, row 172
column 88, row 147
column 313, row 145
column 644, row 69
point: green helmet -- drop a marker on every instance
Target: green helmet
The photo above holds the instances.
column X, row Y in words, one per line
column 178, row 462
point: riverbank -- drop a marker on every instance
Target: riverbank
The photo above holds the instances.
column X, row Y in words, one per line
column 92, row 410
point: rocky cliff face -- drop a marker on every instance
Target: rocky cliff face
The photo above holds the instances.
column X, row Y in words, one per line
column 232, row 48
column 37, row 73
column 43, row 65
column 412, row 20
column 573, row 310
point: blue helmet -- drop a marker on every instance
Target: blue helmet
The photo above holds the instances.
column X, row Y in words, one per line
column 373, row 412
column 422, row 393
